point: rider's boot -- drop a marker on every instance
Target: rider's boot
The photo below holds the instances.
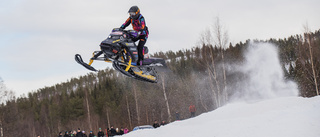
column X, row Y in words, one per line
column 139, row 63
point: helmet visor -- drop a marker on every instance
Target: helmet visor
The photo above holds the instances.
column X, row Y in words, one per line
column 132, row 13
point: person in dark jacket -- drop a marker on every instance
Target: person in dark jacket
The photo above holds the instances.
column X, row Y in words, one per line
column 100, row 133
column 66, row 134
column 60, row 134
column 79, row 134
column 84, row 134
column 177, row 116
column 121, row 131
column 113, row 131
column 156, row 124
column 108, row 132
column 138, row 24
column 163, row 123
column 91, row 134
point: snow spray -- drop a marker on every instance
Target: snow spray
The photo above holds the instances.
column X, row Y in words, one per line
column 263, row 75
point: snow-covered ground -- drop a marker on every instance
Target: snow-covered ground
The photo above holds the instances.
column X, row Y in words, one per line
column 266, row 105
column 280, row 117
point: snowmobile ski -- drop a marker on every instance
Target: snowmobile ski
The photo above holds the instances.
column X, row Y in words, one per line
column 80, row 61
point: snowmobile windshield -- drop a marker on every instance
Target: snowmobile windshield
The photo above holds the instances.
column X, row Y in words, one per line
column 115, row 35
column 119, row 33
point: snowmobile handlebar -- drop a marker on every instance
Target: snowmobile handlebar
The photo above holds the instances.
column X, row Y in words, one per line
column 131, row 33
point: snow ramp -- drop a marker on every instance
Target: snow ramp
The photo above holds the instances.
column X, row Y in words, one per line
column 280, row 117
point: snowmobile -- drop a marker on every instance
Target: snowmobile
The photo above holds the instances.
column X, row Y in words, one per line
column 120, row 50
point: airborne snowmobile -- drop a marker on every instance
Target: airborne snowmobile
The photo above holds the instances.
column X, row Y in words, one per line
column 121, row 51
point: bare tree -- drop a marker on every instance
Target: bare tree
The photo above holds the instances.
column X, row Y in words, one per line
column 129, row 114
column 88, row 109
column 209, row 63
column 136, row 102
column 166, row 99
column 221, row 39
column 108, row 117
column 309, row 41
column 5, row 94
column 2, row 90
column 1, row 114
column 217, row 36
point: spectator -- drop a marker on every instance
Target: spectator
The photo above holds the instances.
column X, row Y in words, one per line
column 121, row 131
column 156, row 124
column 38, row 135
column 113, row 131
column 60, row 134
column 84, row 134
column 66, row 134
column 177, row 116
column 91, row 134
column 163, row 123
column 126, row 130
column 74, row 133
column 118, row 131
column 108, row 132
column 100, row 133
column 192, row 109
column 79, row 134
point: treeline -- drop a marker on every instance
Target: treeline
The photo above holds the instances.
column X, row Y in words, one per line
column 195, row 76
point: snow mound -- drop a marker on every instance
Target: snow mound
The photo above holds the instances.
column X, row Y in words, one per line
column 280, row 117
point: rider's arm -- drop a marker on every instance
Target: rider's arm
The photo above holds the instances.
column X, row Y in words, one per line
column 143, row 24
column 127, row 23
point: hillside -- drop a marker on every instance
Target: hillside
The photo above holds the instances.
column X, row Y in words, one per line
column 280, row 117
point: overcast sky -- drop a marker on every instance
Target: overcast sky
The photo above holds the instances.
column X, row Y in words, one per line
column 39, row 38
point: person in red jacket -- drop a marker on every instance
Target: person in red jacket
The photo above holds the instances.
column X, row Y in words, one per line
column 192, row 109
column 138, row 24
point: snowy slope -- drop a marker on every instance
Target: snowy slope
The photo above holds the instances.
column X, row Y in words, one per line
column 264, row 105
column 280, row 117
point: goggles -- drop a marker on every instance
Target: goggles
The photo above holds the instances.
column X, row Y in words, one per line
column 132, row 13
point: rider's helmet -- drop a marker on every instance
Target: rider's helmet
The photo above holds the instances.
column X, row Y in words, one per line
column 134, row 12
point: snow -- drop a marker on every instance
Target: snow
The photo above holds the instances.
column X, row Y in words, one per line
column 266, row 106
column 280, row 117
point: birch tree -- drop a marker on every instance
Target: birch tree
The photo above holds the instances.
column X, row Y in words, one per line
column 310, row 44
column 209, row 62
column 165, row 98
column 129, row 114
column 136, row 102
column 221, row 39
column 88, row 109
column 5, row 94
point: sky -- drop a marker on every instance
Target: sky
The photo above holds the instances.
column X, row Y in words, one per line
column 39, row 38
column 280, row 117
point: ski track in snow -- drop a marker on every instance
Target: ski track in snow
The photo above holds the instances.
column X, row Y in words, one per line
column 280, row 117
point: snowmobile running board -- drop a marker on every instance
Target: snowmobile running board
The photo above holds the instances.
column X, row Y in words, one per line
column 80, row 61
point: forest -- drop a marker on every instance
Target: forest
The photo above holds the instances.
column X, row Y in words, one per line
column 198, row 76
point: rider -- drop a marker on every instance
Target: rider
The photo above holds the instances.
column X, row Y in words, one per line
column 139, row 25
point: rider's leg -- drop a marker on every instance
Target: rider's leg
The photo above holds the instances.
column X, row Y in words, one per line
column 141, row 44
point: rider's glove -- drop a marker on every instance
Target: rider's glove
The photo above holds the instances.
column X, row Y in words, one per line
column 140, row 32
